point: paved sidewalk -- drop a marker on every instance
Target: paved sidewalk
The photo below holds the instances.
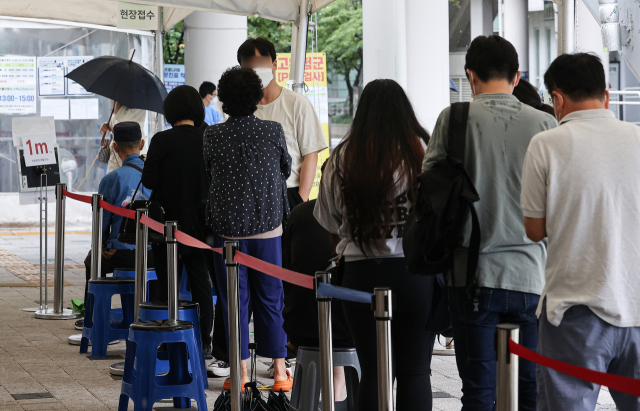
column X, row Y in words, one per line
column 39, row 370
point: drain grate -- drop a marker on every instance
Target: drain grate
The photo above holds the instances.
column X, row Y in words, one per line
column 32, row 396
column 439, row 394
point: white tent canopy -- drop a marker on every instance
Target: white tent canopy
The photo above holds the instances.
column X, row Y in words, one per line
column 103, row 12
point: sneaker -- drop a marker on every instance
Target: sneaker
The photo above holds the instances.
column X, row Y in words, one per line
column 79, row 324
column 206, row 351
column 219, row 369
column 284, row 386
column 286, row 364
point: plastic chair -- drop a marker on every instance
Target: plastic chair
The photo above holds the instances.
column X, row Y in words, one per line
column 305, row 395
column 187, row 311
column 98, row 314
column 140, row 381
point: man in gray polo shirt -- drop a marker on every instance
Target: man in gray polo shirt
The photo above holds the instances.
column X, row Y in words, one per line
column 581, row 189
column 510, row 271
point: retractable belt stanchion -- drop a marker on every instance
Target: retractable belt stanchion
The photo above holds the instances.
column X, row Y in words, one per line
column 233, row 298
column 507, row 368
column 383, row 312
column 326, row 344
column 172, row 264
column 43, row 234
column 142, row 240
column 58, row 312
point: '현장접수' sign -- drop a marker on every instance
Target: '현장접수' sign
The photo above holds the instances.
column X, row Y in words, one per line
column 136, row 16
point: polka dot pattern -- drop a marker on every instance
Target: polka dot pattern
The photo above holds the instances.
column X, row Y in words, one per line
column 248, row 163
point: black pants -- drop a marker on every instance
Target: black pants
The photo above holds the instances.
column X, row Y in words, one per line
column 411, row 343
column 193, row 260
column 219, row 339
column 121, row 259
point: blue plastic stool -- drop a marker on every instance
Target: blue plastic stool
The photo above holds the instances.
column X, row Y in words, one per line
column 98, row 314
column 140, row 382
column 116, row 313
column 187, row 311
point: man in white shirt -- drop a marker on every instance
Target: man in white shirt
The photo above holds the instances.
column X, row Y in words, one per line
column 580, row 188
column 302, row 129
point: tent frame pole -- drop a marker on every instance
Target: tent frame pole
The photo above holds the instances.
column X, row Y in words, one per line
column 299, row 47
column 159, row 60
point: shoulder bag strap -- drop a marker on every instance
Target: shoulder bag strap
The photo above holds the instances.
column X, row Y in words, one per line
column 458, row 130
column 140, row 170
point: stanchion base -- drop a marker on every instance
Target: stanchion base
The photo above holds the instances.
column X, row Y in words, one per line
column 117, row 369
column 31, row 310
column 49, row 314
column 77, row 338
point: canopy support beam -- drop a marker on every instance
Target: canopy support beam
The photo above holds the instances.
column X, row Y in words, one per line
column 299, row 47
column 159, row 63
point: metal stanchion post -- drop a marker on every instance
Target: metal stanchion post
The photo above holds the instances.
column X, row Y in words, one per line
column 233, row 298
column 96, row 250
column 383, row 312
column 172, row 268
column 326, row 344
column 43, row 233
column 507, row 368
column 142, row 240
column 58, row 312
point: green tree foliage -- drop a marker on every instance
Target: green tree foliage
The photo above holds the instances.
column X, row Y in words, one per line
column 174, row 45
column 278, row 33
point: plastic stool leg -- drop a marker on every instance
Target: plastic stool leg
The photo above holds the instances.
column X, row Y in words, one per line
column 178, row 371
column 101, row 320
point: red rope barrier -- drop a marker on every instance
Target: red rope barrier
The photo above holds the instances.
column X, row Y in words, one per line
column 77, row 197
column 124, row 212
column 152, row 224
column 619, row 383
column 275, row 271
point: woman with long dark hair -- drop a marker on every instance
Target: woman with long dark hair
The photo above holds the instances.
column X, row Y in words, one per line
column 365, row 196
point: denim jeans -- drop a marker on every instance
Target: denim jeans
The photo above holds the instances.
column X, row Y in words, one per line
column 474, row 328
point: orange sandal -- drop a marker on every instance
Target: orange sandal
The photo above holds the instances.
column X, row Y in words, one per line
column 285, row 385
column 227, row 385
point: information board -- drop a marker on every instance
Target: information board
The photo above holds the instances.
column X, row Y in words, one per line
column 17, row 85
column 71, row 63
column 315, row 78
column 173, row 76
column 51, row 76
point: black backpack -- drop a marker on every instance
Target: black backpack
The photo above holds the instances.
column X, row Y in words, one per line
column 445, row 199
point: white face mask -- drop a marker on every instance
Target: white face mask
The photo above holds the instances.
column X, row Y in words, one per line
column 265, row 74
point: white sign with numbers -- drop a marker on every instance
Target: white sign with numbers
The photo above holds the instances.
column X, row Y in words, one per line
column 38, row 137
column 137, row 16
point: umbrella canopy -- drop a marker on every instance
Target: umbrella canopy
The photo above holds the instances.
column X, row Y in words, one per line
column 121, row 80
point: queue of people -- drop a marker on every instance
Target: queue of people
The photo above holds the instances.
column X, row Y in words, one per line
column 557, row 213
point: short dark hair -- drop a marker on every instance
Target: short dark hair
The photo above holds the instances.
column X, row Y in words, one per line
column 206, row 88
column 527, row 94
column 184, row 103
column 128, row 146
column 580, row 76
column 249, row 47
column 492, row 58
column 240, row 91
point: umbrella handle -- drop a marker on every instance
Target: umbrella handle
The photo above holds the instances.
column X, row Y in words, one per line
column 108, row 121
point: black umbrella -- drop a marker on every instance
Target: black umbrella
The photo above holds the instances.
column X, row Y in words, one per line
column 123, row 81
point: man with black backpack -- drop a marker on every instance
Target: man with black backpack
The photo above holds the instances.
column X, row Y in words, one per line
column 490, row 137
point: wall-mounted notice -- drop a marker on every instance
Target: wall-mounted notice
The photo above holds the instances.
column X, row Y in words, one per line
column 17, row 85
column 84, row 109
column 51, row 76
column 73, row 88
column 58, row 108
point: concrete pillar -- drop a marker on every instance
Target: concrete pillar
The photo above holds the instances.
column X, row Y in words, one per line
column 589, row 39
column 426, row 62
column 516, row 30
column 481, row 18
column 211, row 41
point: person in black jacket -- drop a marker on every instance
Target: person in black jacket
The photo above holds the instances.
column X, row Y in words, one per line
column 175, row 171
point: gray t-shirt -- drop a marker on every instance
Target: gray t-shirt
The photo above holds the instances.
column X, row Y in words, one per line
column 499, row 130
column 583, row 178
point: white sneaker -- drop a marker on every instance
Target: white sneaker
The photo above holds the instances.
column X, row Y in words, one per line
column 286, row 364
column 219, row 369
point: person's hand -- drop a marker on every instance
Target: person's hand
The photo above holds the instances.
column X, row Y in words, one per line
column 104, row 128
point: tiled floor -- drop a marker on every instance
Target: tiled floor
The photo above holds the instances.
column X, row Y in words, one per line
column 36, row 359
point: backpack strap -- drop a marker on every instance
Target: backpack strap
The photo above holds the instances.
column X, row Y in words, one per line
column 473, row 252
column 458, row 117
column 140, row 170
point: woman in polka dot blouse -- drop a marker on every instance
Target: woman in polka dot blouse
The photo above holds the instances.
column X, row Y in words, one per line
column 248, row 163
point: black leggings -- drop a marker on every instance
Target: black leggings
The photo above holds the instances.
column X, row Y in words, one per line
column 199, row 280
column 411, row 343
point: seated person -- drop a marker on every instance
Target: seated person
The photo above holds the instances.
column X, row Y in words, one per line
column 307, row 249
column 118, row 186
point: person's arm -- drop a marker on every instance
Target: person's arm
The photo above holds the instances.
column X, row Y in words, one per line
column 285, row 158
column 437, row 148
column 534, row 192
column 328, row 209
column 308, row 174
column 151, row 170
column 311, row 140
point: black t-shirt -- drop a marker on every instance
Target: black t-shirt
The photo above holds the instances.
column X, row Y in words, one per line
column 307, row 249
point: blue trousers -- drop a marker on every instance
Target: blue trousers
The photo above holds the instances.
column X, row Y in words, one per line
column 585, row 340
column 266, row 294
column 474, row 328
